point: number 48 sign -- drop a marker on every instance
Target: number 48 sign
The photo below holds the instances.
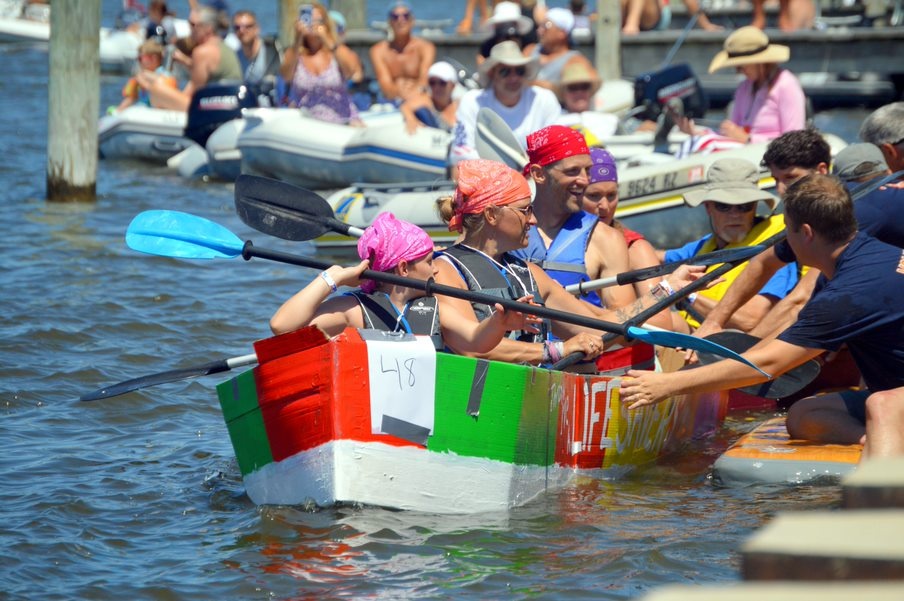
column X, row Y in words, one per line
column 402, row 371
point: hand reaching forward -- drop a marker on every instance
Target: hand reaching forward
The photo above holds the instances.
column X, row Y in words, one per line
column 516, row 320
column 640, row 388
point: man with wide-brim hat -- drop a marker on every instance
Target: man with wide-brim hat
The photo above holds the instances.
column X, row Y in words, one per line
column 576, row 89
column 507, row 23
column 507, row 77
column 730, row 197
column 768, row 103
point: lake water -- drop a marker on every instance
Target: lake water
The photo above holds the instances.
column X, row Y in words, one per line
column 140, row 497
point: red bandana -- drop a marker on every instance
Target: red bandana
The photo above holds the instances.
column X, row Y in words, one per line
column 552, row 144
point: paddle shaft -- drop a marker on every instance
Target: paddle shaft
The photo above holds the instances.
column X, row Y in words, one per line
column 430, row 288
column 672, row 299
column 174, row 375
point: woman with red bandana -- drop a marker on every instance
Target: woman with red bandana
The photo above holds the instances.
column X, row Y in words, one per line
column 399, row 247
column 492, row 209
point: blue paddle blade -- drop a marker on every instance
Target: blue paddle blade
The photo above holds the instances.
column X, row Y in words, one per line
column 182, row 236
column 675, row 339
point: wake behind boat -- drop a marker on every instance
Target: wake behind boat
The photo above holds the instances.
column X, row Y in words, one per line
column 384, row 420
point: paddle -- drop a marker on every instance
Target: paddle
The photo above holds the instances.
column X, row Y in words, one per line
column 176, row 234
column 782, row 386
column 289, row 212
column 174, row 375
column 292, row 213
column 495, row 140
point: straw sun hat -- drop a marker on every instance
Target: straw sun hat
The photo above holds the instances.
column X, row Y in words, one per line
column 509, row 54
column 749, row 46
column 578, row 72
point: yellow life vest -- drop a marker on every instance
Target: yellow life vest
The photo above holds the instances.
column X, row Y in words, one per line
column 759, row 232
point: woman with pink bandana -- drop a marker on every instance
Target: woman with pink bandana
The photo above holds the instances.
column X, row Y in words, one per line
column 404, row 249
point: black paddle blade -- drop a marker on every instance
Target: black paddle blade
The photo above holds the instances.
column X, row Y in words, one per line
column 154, row 379
column 283, row 210
column 782, row 386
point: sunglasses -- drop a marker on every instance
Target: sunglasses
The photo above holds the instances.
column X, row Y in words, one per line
column 578, row 87
column 399, row 16
column 241, row 26
column 437, row 82
column 727, row 208
column 527, row 211
column 506, row 71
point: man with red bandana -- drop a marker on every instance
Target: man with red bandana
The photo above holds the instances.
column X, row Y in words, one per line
column 568, row 243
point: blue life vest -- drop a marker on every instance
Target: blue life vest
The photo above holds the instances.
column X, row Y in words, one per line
column 564, row 259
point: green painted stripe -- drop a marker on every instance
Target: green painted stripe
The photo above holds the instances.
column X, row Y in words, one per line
column 500, row 430
column 238, row 400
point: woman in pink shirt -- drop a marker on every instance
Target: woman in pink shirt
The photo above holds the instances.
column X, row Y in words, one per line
column 769, row 102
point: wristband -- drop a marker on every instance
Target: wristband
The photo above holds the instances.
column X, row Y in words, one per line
column 666, row 286
column 329, row 281
column 691, row 298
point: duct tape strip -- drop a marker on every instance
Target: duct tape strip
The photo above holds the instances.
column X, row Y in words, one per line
column 477, row 384
column 404, row 430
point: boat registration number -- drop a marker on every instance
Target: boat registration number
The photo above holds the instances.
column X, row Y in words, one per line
column 661, row 182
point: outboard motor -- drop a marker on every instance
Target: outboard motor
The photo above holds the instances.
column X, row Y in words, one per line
column 655, row 89
column 214, row 105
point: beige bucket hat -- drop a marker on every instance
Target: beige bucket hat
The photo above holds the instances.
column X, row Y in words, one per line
column 578, row 72
column 509, row 54
column 733, row 182
column 749, row 46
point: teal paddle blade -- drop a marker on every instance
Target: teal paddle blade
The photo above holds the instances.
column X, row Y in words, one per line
column 675, row 339
column 182, row 236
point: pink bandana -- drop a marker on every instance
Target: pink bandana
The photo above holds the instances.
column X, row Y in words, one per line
column 552, row 144
column 482, row 183
column 603, row 169
column 389, row 241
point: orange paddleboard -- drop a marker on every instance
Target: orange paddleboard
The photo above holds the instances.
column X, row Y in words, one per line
column 766, row 455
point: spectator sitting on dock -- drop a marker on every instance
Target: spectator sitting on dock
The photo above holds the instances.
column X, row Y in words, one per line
column 401, row 63
column 507, row 23
column 319, row 69
column 506, row 76
column 858, row 304
column 792, row 14
column 467, row 21
column 404, row 249
column 554, row 51
column 730, row 198
column 437, row 108
column 656, row 15
column 491, row 207
column 768, row 103
column 211, row 61
column 150, row 59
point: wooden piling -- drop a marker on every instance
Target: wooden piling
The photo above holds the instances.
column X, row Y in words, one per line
column 608, row 40
column 354, row 11
column 73, row 100
column 287, row 16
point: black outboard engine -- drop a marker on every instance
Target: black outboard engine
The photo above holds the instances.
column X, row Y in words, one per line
column 214, row 105
column 655, row 89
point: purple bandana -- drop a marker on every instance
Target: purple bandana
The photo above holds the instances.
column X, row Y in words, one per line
column 603, row 169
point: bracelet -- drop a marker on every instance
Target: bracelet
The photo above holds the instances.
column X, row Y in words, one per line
column 659, row 292
column 553, row 351
column 329, row 281
column 691, row 298
column 666, row 286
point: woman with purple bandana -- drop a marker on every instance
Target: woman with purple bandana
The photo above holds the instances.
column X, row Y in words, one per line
column 402, row 248
column 601, row 199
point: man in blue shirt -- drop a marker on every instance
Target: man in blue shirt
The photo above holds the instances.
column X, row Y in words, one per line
column 857, row 303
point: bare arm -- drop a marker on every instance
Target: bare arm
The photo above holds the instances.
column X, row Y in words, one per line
column 310, row 304
column 746, row 317
column 641, row 254
column 746, row 285
column 381, row 70
column 349, row 63
column 775, row 357
column 607, row 255
column 784, row 313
